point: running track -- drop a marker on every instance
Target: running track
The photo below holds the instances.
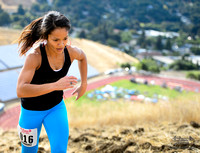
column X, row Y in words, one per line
column 9, row 118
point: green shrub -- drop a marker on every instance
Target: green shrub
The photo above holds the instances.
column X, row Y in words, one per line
column 193, row 75
column 148, row 65
column 183, row 65
column 125, row 65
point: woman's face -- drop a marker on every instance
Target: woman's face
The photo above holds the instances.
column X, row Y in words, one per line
column 57, row 40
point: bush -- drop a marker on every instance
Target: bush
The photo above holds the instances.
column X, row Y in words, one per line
column 125, row 65
column 195, row 50
column 183, row 65
column 111, row 42
column 148, row 65
column 193, row 75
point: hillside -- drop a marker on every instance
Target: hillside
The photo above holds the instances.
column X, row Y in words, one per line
column 102, row 57
column 11, row 5
column 8, row 36
column 99, row 56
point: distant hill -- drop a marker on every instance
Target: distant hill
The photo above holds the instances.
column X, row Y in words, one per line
column 11, row 5
column 132, row 14
column 99, row 56
column 114, row 22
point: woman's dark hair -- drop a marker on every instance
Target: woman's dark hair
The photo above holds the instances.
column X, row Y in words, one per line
column 40, row 29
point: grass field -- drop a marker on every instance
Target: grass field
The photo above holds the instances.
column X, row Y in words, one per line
column 181, row 107
column 149, row 90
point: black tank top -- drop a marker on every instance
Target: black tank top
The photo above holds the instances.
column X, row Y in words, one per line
column 45, row 74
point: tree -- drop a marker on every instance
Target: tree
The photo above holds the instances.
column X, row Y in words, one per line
column 192, row 75
column 20, row 10
column 142, row 66
column 4, row 19
column 1, row 10
column 158, row 44
column 185, row 56
column 168, row 44
column 112, row 42
column 142, row 40
column 183, row 65
column 148, row 65
column 42, row 1
column 87, row 25
column 35, row 8
column 82, row 34
column 126, row 65
column 195, row 50
column 60, row 3
column 45, row 7
column 126, row 36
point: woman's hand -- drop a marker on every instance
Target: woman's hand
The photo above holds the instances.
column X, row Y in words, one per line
column 66, row 82
column 80, row 90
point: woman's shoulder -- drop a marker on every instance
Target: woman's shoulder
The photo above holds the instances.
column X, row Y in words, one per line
column 74, row 52
column 34, row 57
column 72, row 48
column 34, row 53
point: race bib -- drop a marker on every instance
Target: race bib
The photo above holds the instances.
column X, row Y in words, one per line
column 28, row 137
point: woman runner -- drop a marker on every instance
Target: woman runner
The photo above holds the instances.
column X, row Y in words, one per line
column 43, row 78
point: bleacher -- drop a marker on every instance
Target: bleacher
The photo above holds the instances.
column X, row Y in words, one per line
column 10, row 66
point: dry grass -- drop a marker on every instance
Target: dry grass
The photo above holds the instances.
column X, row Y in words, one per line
column 110, row 113
column 8, row 36
column 103, row 57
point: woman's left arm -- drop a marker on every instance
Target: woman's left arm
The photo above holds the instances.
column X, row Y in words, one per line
column 79, row 55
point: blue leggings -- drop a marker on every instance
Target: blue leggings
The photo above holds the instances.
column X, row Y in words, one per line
column 55, row 122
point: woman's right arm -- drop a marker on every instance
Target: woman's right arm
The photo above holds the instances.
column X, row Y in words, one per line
column 25, row 89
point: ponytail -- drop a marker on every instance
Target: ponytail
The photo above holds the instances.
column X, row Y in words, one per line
column 30, row 34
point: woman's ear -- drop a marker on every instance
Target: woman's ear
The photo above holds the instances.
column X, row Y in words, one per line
column 69, row 42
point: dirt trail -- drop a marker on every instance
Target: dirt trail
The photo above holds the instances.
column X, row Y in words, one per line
column 162, row 137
